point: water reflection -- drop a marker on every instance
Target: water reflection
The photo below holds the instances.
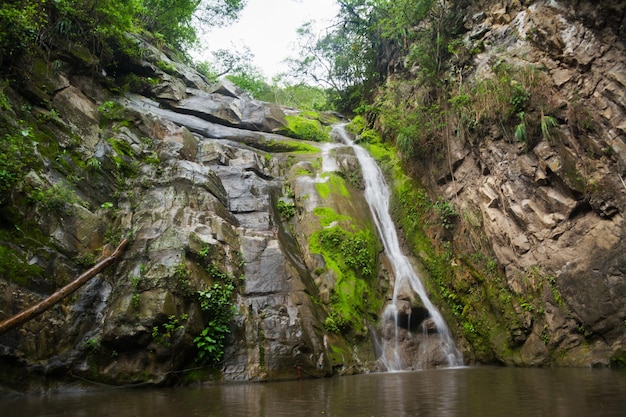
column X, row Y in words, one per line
column 447, row 392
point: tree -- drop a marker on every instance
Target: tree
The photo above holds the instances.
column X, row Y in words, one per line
column 176, row 20
column 354, row 55
column 100, row 24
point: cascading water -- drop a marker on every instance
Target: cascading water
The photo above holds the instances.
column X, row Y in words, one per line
column 377, row 196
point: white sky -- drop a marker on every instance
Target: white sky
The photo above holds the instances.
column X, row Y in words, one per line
column 268, row 28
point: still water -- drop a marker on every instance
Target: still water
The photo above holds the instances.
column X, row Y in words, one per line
column 481, row 391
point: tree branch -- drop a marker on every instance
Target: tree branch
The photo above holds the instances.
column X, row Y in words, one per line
column 40, row 307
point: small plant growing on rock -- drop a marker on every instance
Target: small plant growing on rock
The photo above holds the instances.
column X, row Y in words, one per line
column 287, row 210
column 183, row 275
column 548, row 123
column 135, row 280
column 91, row 345
column 445, row 211
column 217, row 303
column 163, row 334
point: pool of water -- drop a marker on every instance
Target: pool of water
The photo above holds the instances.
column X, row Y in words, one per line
column 474, row 391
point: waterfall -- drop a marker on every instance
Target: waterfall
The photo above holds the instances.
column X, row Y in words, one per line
column 377, row 195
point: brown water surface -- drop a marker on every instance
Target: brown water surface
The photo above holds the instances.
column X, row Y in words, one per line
column 469, row 392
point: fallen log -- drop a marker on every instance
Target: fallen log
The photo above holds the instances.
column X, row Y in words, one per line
column 40, row 307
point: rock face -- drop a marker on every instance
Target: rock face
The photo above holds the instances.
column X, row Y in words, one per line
column 209, row 193
column 552, row 209
column 193, row 174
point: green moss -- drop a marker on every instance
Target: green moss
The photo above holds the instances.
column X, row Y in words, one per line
column 13, row 266
column 284, row 146
column 123, row 157
column 327, row 216
column 350, row 252
column 357, row 125
column 303, row 171
column 120, row 146
column 58, row 199
column 110, row 111
column 302, row 128
column 166, row 67
column 334, row 185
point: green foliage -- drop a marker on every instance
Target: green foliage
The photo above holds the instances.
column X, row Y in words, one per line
column 103, row 24
column 216, row 302
column 548, row 123
column 286, row 209
column 369, row 136
column 520, row 96
column 20, row 21
column 253, row 83
column 205, row 68
column 58, row 199
column 164, row 333
column 111, row 110
column 445, row 211
column 521, row 129
column 166, row 67
column 91, row 345
column 330, row 325
column 291, row 146
column 15, row 156
column 328, row 216
column 183, row 281
column 299, row 96
column 356, row 125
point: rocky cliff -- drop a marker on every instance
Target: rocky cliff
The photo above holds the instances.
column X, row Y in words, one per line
column 226, row 216
column 533, row 162
column 230, row 206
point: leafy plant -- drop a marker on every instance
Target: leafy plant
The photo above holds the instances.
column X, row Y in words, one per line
column 94, row 164
column 216, row 301
column 446, row 212
column 183, row 275
column 519, row 98
column 166, row 67
column 286, row 209
column 164, row 333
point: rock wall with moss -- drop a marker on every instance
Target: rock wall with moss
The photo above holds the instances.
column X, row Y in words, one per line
column 514, row 195
column 234, row 271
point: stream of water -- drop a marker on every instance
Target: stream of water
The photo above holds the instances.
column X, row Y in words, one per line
column 377, row 195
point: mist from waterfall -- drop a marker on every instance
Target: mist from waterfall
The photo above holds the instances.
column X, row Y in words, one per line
column 377, row 195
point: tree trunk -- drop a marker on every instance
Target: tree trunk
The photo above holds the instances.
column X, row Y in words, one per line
column 58, row 295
